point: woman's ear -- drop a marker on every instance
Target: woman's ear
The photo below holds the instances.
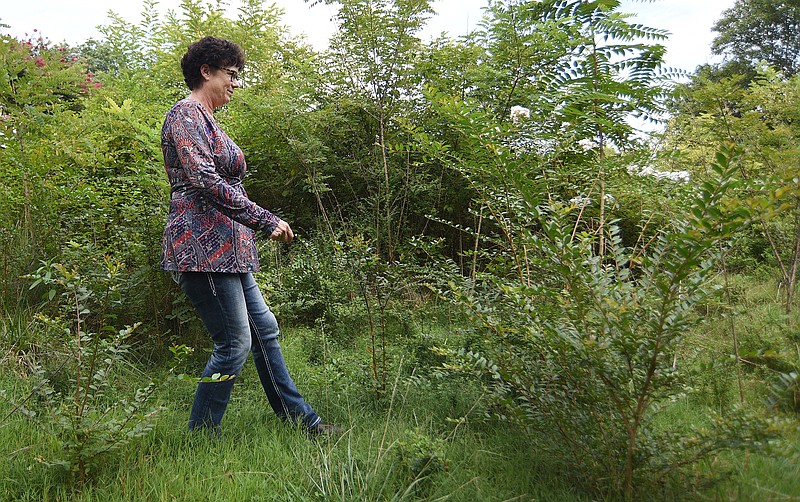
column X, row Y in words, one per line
column 205, row 72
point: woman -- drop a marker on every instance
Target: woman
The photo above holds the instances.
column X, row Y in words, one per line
column 209, row 241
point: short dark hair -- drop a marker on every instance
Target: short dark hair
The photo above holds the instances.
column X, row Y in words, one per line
column 215, row 52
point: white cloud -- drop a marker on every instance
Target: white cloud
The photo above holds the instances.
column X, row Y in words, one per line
column 688, row 21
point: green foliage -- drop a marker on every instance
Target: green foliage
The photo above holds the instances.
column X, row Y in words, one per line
column 313, row 284
column 761, row 118
column 75, row 398
column 585, row 352
column 482, row 460
column 371, row 68
column 785, row 392
column 344, row 289
column 422, row 458
column 42, row 89
column 755, row 31
column 404, row 165
column 609, row 70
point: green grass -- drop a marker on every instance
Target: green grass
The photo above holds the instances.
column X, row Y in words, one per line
column 423, row 438
column 259, row 458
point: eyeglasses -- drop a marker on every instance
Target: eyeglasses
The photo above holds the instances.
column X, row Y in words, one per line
column 233, row 75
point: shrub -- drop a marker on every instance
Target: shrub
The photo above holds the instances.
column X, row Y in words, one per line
column 585, row 355
column 76, row 397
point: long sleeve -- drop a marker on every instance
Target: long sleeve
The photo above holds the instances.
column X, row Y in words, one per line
column 204, row 152
column 211, row 223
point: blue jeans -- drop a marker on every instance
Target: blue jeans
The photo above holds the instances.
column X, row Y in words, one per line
column 239, row 321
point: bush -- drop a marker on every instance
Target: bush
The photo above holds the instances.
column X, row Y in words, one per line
column 75, row 394
column 586, row 356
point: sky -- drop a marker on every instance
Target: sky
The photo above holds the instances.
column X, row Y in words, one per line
column 75, row 21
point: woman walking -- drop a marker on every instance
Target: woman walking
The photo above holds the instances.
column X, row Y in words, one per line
column 209, row 241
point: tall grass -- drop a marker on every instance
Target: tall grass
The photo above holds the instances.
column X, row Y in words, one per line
column 426, row 439
column 259, row 458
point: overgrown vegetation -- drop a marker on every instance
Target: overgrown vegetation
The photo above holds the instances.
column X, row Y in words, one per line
column 499, row 290
column 73, row 394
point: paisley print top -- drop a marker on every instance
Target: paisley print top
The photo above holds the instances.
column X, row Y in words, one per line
column 211, row 223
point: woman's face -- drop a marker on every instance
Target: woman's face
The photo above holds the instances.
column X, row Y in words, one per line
column 219, row 84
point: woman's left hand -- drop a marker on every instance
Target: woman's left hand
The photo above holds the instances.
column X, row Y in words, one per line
column 282, row 233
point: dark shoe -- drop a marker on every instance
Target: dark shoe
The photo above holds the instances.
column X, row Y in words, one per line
column 324, row 430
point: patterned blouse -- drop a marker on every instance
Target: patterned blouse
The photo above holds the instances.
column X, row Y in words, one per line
column 211, row 223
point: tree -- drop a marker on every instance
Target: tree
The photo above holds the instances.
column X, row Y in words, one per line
column 372, row 83
column 761, row 118
column 574, row 344
column 761, row 30
column 601, row 69
column 43, row 89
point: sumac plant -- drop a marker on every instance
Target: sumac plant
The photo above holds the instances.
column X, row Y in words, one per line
column 582, row 349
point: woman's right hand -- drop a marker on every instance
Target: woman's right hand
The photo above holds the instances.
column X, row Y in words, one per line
column 282, row 233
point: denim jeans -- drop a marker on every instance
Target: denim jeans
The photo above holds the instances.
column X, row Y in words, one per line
column 239, row 321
